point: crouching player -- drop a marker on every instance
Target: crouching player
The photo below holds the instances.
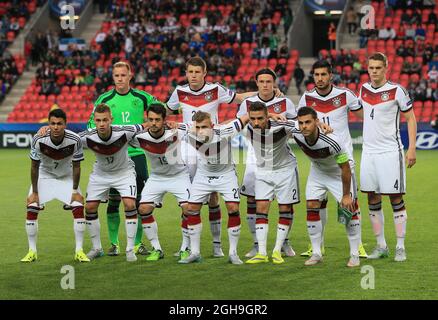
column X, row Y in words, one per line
column 216, row 173
column 329, row 172
column 55, row 174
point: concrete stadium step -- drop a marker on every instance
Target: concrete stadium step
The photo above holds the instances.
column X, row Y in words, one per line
column 349, row 41
column 15, row 94
column 92, row 27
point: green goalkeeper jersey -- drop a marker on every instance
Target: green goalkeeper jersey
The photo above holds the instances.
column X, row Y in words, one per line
column 126, row 109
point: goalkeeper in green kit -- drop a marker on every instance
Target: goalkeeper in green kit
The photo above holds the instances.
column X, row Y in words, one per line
column 127, row 106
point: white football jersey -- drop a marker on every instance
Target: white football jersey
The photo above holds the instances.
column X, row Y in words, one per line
column 278, row 105
column 381, row 113
column 164, row 152
column 206, row 99
column 215, row 156
column 56, row 160
column 332, row 109
column 111, row 154
column 322, row 153
column 271, row 145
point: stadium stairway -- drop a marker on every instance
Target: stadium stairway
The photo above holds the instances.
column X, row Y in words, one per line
column 93, row 26
column 16, row 92
column 306, row 64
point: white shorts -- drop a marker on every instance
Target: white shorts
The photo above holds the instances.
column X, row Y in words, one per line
column 283, row 184
column 248, row 185
column 99, row 184
column 189, row 156
column 157, row 186
column 383, row 173
column 319, row 183
column 226, row 184
column 55, row 188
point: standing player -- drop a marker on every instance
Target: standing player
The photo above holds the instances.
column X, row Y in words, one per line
column 276, row 176
column 112, row 169
column 330, row 171
column 168, row 174
column 332, row 104
column 265, row 79
column 383, row 164
column 128, row 106
column 55, row 174
column 199, row 95
column 215, row 173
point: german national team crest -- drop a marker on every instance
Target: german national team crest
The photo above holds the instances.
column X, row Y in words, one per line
column 336, row 102
column 208, row 96
column 385, row 96
column 277, row 108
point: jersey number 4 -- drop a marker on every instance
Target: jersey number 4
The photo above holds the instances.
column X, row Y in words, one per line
column 372, row 114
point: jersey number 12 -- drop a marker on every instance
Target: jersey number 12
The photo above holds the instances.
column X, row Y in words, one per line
column 125, row 116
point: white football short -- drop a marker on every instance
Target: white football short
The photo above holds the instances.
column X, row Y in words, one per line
column 55, row 188
column 383, row 173
column 157, row 186
column 282, row 184
column 226, row 184
column 100, row 183
column 320, row 182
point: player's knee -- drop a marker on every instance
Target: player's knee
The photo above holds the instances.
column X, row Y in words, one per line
column 313, row 205
column 250, row 200
column 129, row 204
column 145, row 209
column 262, row 206
column 285, row 207
column 374, row 198
column 232, row 207
column 91, row 207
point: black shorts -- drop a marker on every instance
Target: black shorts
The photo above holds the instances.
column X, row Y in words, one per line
column 141, row 170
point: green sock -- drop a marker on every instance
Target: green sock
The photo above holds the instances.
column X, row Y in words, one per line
column 113, row 219
column 139, row 234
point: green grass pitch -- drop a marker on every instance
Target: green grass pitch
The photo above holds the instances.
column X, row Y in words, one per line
column 114, row 278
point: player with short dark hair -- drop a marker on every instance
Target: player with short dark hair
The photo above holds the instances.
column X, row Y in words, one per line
column 329, row 172
column 168, row 174
column 332, row 104
column 55, row 174
column 276, row 176
column 265, row 80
